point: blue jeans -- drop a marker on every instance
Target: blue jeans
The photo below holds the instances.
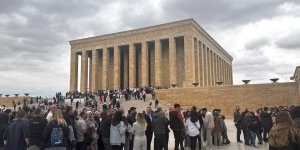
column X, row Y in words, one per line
column 252, row 138
column 247, row 136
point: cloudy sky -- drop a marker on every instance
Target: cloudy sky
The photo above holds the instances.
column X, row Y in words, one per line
column 262, row 36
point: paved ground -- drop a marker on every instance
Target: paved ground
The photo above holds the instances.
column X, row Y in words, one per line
column 141, row 105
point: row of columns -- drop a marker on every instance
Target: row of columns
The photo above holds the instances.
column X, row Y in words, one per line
column 210, row 67
column 200, row 65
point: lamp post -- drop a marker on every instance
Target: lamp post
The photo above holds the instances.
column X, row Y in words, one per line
column 26, row 94
column 16, row 95
column 7, row 95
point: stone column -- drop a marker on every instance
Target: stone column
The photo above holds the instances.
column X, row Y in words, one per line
column 74, row 71
column 145, row 71
column 172, row 61
column 104, row 68
column 209, row 67
column 213, row 68
column 231, row 75
column 116, row 67
column 188, row 61
column 197, row 70
column 132, row 64
column 205, row 66
column 158, row 63
column 94, row 76
column 201, row 65
column 90, row 72
column 84, row 71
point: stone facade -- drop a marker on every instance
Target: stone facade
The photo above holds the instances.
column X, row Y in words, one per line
column 251, row 96
column 180, row 53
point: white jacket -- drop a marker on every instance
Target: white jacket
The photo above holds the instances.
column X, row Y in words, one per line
column 192, row 128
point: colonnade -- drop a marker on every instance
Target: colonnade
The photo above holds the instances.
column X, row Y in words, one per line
column 179, row 60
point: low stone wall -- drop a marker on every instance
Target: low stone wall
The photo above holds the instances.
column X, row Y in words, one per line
column 8, row 101
column 251, row 96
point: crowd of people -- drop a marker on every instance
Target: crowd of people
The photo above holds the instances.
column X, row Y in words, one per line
column 278, row 126
column 101, row 123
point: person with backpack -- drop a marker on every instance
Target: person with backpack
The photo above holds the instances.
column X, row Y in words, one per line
column 36, row 128
column 192, row 125
column 56, row 134
column 117, row 131
column 176, row 124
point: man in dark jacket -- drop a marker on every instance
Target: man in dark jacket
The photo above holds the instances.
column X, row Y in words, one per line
column 159, row 124
column 295, row 113
column 267, row 123
column 105, row 125
column 149, row 132
column 36, row 129
column 3, row 125
column 176, row 124
column 237, row 123
column 16, row 136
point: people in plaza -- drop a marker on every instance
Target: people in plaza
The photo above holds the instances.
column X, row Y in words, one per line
column 159, row 124
column 50, row 113
column 267, row 123
column 36, row 128
column 208, row 125
column 295, row 113
column 138, row 130
column 237, row 123
column 284, row 135
column 81, row 127
column 56, row 133
column 177, row 125
column 193, row 126
column 105, row 125
column 16, row 135
column 117, row 131
column 4, row 119
column 149, row 131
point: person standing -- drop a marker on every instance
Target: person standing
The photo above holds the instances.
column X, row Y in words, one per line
column 267, row 123
column 159, row 124
column 218, row 128
column 138, row 130
column 36, row 129
column 149, row 131
column 81, row 128
column 16, row 136
column 4, row 119
column 105, row 126
column 208, row 126
column 176, row 124
column 117, row 131
column 284, row 135
column 237, row 123
column 193, row 125
column 56, row 133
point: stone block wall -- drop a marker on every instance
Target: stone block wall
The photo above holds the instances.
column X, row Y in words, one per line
column 251, row 96
column 8, row 101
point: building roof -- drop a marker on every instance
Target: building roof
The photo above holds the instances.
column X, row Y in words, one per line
column 297, row 72
column 152, row 28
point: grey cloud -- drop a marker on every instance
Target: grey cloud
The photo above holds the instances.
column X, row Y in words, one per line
column 291, row 41
column 257, row 43
column 222, row 13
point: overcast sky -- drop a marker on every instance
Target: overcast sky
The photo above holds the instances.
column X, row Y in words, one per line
column 262, row 36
